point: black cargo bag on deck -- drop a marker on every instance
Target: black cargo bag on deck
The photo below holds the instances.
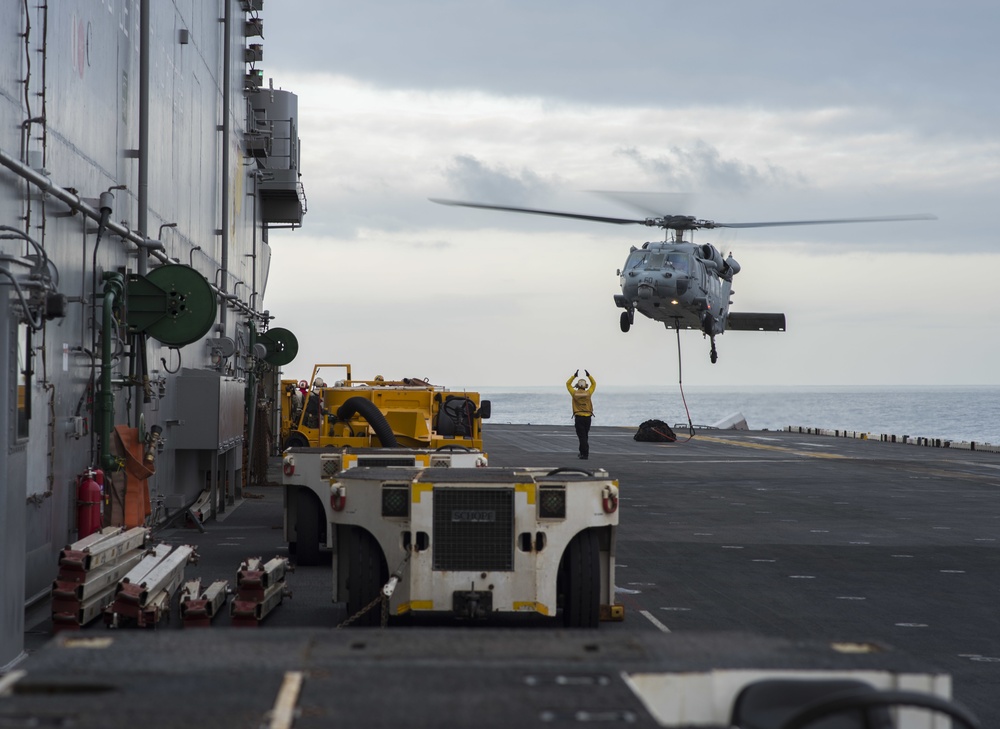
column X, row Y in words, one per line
column 655, row 431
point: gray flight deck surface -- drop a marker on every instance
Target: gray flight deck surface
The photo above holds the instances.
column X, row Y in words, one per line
column 736, row 549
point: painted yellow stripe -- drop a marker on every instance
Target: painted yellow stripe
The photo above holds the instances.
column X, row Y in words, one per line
column 765, row 447
column 528, row 489
column 418, row 489
column 417, row 605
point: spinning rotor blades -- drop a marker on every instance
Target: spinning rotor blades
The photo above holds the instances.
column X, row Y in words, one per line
column 680, row 222
column 533, row 211
column 879, row 219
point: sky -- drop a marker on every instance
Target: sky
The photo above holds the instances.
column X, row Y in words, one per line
column 730, row 111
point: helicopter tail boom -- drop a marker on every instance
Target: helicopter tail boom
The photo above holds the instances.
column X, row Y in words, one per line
column 746, row 322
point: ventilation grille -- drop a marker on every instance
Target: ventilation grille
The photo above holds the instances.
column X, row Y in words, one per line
column 331, row 467
column 396, row 501
column 386, row 461
column 473, row 529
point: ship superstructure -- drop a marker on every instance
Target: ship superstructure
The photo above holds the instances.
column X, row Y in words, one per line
column 143, row 162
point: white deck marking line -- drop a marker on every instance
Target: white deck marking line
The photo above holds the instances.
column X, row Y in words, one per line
column 283, row 713
column 649, row 616
column 7, row 682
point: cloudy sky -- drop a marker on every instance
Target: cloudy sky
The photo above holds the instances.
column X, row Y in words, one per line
column 768, row 110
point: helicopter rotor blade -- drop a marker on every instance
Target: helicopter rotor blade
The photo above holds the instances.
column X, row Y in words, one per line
column 677, row 222
column 534, row 211
column 775, row 224
column 651, row 203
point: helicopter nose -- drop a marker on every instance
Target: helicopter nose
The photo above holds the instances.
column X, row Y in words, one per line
column 672, row 285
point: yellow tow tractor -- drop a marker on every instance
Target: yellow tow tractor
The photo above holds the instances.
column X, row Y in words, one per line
column 406, row 413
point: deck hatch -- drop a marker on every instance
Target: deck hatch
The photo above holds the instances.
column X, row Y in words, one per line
column 473, row 529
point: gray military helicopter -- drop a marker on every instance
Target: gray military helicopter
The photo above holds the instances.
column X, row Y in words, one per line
column 680, row 283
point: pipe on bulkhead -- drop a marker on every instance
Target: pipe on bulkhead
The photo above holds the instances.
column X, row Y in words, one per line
column 227, row 72
column 114, row 292
column 73, row 200
column 143, row 191
column 77, row 203
column 143, row 187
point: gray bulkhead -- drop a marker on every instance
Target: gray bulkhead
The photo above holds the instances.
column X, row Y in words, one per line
column 158, row 112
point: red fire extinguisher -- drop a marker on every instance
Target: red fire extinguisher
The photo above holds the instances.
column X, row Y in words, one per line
column 89, row 505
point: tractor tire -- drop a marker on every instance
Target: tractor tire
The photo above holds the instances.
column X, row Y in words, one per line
column 367, row 573
column 296, row 440
column 582, row 581
column 307, row 516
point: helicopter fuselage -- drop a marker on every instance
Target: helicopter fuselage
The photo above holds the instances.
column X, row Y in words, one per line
column 678, row 283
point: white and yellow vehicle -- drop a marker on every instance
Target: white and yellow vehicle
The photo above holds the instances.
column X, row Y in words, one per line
column 475, row 542
column 307, row 473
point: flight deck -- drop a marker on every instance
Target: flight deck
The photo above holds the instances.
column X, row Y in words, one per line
column 739, row 553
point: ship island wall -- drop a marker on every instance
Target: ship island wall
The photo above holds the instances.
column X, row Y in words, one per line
column 71, row 105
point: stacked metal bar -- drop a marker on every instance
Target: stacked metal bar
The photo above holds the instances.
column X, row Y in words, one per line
column 89, row 572
column 198, row 607
column 259, row 589
column 142, row 597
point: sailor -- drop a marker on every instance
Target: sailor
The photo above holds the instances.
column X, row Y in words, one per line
column 314, row 405
column 583, row 408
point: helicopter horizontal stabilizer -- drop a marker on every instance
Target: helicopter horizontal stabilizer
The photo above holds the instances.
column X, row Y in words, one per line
column 745, row 322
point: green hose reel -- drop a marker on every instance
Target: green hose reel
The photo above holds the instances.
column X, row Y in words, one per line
column 174, row 304
column 281, row 346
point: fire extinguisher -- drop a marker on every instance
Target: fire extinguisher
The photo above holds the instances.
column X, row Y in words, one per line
column 89, row 504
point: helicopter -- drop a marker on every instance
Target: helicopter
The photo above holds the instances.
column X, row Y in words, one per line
column 678, row 282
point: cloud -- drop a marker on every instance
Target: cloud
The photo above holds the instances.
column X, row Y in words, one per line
column 472, row 179
column 700, row 166
column 927, row 61
column 777, row 110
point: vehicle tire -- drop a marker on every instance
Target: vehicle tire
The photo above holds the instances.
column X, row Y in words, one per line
column 367, row 573
column 296, row 440
column 307, row 516
column 582, row 581
column 626, row 322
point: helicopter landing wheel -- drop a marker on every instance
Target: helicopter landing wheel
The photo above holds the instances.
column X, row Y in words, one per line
column 626, row 321
column 713, row 355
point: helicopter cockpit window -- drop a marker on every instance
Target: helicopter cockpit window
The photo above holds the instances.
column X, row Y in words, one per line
column 680, row 261
column 655, row 262
column 636, row 259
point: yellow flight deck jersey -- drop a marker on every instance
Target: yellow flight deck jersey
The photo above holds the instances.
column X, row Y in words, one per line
column 581, row 398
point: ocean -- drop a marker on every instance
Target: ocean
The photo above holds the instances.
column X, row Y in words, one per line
column 956, row 413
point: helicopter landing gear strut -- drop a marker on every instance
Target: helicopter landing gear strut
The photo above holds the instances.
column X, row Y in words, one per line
column 714, row 354
column 628, row 317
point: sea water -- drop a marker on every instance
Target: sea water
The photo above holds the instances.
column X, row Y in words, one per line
column 956, row 413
